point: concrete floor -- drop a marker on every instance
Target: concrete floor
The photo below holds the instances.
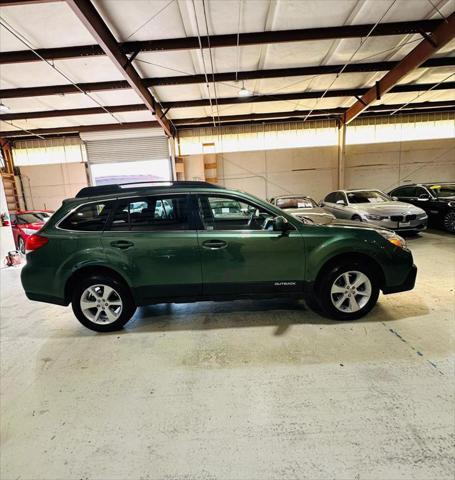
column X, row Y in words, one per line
column 242, row 390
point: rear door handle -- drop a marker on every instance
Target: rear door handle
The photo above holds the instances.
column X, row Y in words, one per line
column 214, row 244
column 122, row 244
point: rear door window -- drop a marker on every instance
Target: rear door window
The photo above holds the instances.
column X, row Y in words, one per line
column 151, row 214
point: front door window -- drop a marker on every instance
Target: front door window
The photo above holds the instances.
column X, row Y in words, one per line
column 224, row 213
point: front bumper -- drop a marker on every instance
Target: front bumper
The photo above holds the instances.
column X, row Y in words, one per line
column 419, row 224
column 408, row 283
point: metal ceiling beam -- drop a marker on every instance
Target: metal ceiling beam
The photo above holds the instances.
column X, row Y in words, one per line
column 290, row 72
column 440, row 37
column 139, row 107
column 316, row 117
column 73, row 111
column 349, row 92
column 92, row 20
column 442, row 106
column 230, row 40
column 219, row 77
column 257, row 118
column 223, row 101
column 79, row 128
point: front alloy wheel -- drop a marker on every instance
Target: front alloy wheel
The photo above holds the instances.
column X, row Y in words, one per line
column 351, row 291
column 348, row 291
column 449, row 222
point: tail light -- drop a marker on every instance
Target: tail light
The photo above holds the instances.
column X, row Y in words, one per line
column 34, row 242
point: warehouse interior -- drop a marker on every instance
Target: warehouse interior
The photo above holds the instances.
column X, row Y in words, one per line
column 269, row 97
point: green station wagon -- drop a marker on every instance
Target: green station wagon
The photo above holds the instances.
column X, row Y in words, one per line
column 116, row 247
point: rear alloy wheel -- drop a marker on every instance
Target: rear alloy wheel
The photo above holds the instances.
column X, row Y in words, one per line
column 348, row 292
column 102, row 304
column 356, row 218
column 21, row 245
column 449, row 222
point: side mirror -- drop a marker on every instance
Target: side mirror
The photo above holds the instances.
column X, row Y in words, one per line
column 423, row 197
column 341, row 202
column 281, row 224
column 395, row 199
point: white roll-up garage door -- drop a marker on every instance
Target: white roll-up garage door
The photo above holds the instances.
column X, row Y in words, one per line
column 127, row 149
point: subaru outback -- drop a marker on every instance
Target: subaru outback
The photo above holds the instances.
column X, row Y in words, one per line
column 113, row 248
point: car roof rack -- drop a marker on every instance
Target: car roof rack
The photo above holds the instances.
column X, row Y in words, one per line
column 122, row 187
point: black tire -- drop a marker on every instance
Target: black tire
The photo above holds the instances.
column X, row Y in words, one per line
column 449, row 222
column 120, row 291
column 21, row 245
column 312, row 302
column 356, row 218
column 325, row 295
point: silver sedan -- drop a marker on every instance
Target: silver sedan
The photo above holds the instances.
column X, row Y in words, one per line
column 303, row 207
column 374, row 206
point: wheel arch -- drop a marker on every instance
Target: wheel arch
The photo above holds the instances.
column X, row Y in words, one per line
column 87, row 271
column 361, row 258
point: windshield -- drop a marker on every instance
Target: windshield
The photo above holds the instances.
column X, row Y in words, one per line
column 367, row 196
column 296, row 202
column 442, row 191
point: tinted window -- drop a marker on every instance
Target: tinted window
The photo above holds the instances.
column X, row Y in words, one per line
column 223, row 213
column 331, row 197
column 88, row 218
column 151, row 214
column 421, row 191
column 403, row 192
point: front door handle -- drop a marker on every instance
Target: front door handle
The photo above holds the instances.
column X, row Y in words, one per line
column 122, row 244
column 214, row 244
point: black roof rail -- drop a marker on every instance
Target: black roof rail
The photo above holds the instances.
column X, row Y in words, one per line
column 121, row 187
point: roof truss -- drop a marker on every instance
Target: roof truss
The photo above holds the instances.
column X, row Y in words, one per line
column 92, row 20
column 441, row 36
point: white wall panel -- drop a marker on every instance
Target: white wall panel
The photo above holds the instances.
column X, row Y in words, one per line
column 45, row 186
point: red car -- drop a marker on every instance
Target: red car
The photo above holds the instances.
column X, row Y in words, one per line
column 26, row 223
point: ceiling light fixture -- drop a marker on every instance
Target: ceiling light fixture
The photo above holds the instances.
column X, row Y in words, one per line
column 243, row 92
column 3, row 108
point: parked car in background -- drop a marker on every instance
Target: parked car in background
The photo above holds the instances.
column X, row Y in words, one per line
column 437, row 199
column 303, row 208
column 213, row 244
column 26, row 223
column 375, row 207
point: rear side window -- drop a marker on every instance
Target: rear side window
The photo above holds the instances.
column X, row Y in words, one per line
column 88, row 218
column 151, row 214
column 404, row 192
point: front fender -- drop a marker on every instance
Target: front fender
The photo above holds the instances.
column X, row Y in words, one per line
column 322, row 246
